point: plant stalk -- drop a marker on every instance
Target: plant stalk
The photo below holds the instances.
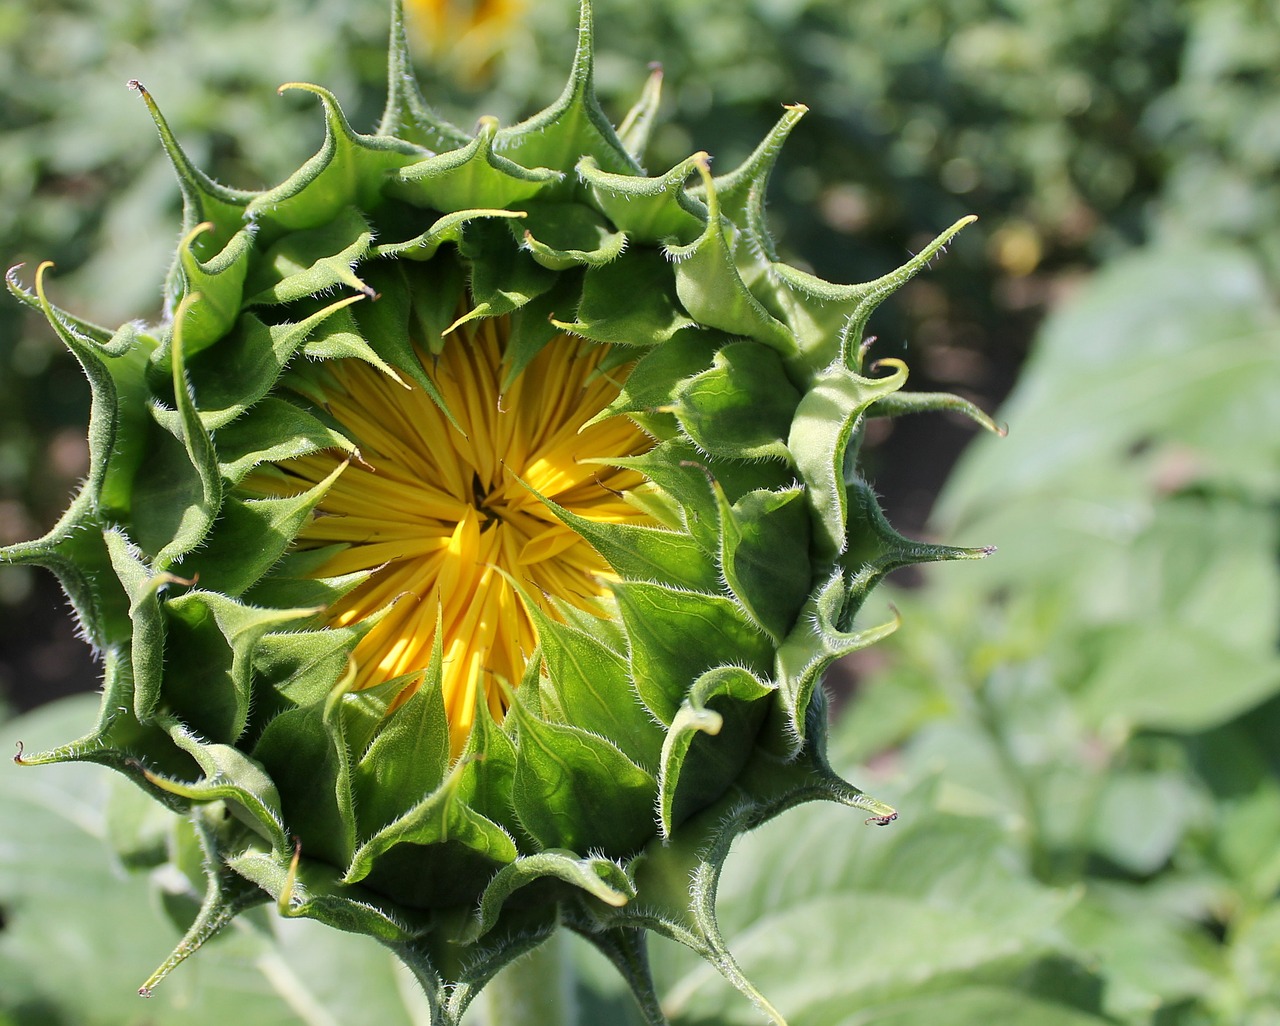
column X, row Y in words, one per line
column 536, row 989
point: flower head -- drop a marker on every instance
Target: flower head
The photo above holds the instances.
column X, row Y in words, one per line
column 466, row 547
column 446, row 513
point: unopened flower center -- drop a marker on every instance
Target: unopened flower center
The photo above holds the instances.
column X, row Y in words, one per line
column 448, row 518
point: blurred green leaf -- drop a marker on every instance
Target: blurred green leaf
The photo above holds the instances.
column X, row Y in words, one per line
column 831, row 916
column 1171, row 677
column 72, row 912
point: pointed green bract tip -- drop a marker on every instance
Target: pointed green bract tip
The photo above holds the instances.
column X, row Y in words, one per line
column 467, row 547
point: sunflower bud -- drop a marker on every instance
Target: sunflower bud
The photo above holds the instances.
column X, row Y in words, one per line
column 466, row 547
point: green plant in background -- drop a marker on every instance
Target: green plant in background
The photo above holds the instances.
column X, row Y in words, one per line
column 1107, row 696
column 466, row 547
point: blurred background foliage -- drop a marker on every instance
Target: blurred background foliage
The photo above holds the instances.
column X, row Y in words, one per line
column 1083, row 732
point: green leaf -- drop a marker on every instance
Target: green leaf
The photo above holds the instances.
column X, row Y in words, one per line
column 300, row 667
column 740, row 193
column 973, row 1006
column 119, row 737
column 176, row 511
column 1185, row 338
column 471, row 177
column 1141, row 818
column 824, row 425
column 629, row 302
column 1153, row 956
column 315, row 260
column 338, row 337
column 687, row 476
column 445, row 229
column 488, row 766
column 414, row 307
column 939, row 901
column 194, row 507
column 292, row 582
column 146, row 648
column 875, row 549
column 742, row 407
column 653, row 382
column 574, row 124
column 764, row 555
column 303, row 752
column 273, row 430
column 648, row 210
column 229, row 776
column 674, row 636
column 312, row 889
column 407, row 757
column 219, row 282
column 711, row 289
column 818, row 298
column 565, row 235
column 723, row 701
column 575, row 790
column 591, row 689
column 250, row 538
column 635, row 128
column 815, row 642
column 442, row 824
column 406, row 115
column 533, row 326
column 348, row 171
column 503, row 278
column 646, row 553
column 1170, row 677
column 212, row 642
column 203, row 200
column 601, row 878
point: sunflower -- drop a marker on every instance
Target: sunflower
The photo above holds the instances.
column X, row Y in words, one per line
column 466, row 547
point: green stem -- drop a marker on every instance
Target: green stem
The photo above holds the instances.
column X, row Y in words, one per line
column 989, row 717
column 536, row 989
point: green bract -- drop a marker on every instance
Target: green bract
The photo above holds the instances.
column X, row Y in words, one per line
column 639, row 743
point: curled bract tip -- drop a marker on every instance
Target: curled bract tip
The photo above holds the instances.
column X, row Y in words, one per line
column 196, row 232
column 41, row 270
column 285, row 901
column 891, row 364
column 306, row 87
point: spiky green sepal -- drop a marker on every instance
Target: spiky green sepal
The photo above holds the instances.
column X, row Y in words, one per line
column 637, row 747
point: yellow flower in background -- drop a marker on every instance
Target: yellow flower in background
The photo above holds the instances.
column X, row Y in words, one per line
column 467, row 34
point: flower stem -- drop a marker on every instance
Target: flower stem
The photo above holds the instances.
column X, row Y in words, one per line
column 535, row 990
